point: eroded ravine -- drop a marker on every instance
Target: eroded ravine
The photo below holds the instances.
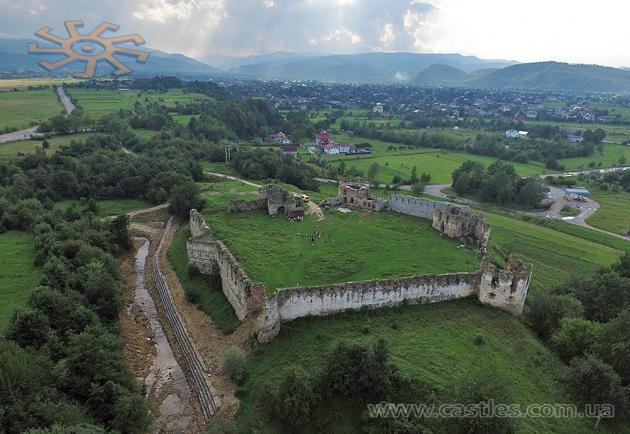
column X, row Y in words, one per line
column 167, row 389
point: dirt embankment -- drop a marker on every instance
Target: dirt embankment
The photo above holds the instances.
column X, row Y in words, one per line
column 139, row 340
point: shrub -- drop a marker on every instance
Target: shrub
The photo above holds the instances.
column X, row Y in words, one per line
column 234, row 364
column 593, row 380
column 575, row 337
column 292, row 402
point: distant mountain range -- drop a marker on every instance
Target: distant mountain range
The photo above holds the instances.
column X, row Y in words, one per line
column 434, row 70
column 15, row 58
column 359, row 68
column 531, row 76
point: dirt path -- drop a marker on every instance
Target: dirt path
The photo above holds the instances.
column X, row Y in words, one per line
column 65, row 100
column 233, row 178
column 315, row 210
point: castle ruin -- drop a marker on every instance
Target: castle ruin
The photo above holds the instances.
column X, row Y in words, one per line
column 504, row 289
column 275, row 199
column 453, row 220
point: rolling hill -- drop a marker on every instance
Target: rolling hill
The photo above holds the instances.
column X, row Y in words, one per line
column 362, row 68
column 553, row 76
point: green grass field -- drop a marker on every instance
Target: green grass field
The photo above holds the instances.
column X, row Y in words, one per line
column 556, row 256
column 99, row 102
column 614, row 212
column 26, row 108
column 12, row 149
column 434, row 343
column 111, row 207
column 440, row 164
column 210, row 300
column 19, row 276
column 353, row 246
column 608, row 158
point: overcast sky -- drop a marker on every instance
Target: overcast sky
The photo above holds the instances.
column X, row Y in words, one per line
column 576, row 31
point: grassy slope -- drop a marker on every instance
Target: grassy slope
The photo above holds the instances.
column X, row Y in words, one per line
column 614, row 212
column 19, row 276
column 211, row 301
column 277, row 252
column 557, row 256
column 434, row 343
column 11, row 149
column 25, row 108
column 608, row 157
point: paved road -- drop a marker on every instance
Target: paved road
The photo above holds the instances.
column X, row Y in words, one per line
column 19, row 135
column 28, row 133
column 587, row 208
column 65, row 100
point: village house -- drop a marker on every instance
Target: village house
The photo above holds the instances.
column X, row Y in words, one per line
column 277, row 138
column 331, row 149
column 575, row 138
column 378, row 108
column 323, row 138
column 289, row 150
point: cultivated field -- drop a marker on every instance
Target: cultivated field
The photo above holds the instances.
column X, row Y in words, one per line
column 355, row 246
column 105, row 208
column 24, row 83
column 433, row 344
column 27, row 108
column 19, row 276
column 99, row 102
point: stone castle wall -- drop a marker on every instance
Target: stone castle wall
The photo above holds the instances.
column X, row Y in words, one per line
column 503, row 289
column 456, row 221
column 212, row 256
column 416, row 206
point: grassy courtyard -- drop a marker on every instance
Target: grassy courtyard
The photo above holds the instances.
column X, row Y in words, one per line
column 19, row 276
column 353, row 246
column 28, row 107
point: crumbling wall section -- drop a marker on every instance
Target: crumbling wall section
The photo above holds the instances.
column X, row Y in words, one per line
column 505, row 289
column 415, row 206
column 212, row 256
column 292, row 303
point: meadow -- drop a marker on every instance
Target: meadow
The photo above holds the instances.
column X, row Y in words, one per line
column 610, row 156
column 614, row 212
column 11, row 150
column 111, row 207
column 439, row 163
column 437, row 345
column 99, row 102
column 557, row 256
column 354, row 246
column 19, row 275
column 27, row 108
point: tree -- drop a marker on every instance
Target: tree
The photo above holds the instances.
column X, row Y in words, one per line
column 360, row 371
column 414, row 175
column 184, row 197
column 292, row 402
column 614, row 345
column 29, row 328
column 481, row 388
column 546, row 312
column 532, row 193
column 101, row 289
column 575, row 337
column 120, row 232
column 623, row 266
column 373, row 172
column 593, row 380
column 604, row 295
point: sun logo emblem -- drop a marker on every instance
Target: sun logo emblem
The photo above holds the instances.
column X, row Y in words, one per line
column 91, row 48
